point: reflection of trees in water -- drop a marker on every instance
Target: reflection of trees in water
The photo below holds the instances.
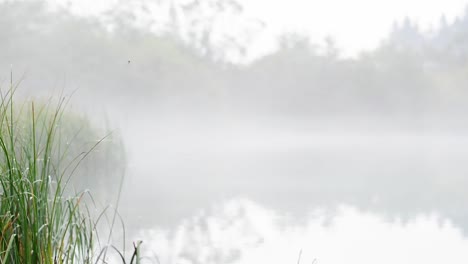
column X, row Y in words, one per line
column 397, row 176
column 217, row 235
column 397, row 182
column 241, row 231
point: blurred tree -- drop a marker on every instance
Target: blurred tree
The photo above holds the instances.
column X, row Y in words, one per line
column 186, row 68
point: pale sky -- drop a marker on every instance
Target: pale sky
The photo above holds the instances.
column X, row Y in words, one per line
column 355, row 25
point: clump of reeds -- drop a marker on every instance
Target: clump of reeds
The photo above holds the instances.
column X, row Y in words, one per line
column 40, row 222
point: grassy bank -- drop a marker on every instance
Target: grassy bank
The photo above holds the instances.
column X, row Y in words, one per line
column 41, row 221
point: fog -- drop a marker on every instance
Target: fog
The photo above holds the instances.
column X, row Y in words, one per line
column 232, row 156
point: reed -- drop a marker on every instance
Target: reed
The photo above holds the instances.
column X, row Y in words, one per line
column 41, row 221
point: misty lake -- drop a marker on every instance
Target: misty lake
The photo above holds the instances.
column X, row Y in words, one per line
column 254, row 194
column 248, row 132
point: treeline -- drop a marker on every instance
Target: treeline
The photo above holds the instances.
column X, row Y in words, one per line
column 113, row 62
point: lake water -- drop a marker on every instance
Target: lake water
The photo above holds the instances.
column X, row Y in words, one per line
column 265, row 195
column 243, row 232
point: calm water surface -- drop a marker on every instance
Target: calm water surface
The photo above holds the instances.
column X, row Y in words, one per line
column 262, row 196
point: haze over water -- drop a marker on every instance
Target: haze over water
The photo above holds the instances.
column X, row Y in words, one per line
column 358, row 158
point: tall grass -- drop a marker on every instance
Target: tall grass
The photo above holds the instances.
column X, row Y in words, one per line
column 40, row 222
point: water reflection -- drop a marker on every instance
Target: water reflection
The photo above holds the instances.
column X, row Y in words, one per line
column 403, row 192
column 394, row 174
column 243, row 232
